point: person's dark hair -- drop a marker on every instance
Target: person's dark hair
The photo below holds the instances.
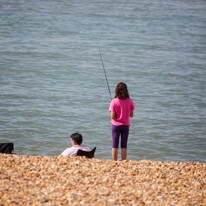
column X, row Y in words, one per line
column 121, row 91
column 77, row 138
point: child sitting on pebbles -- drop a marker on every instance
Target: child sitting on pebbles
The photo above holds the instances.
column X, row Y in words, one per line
column 76, row 140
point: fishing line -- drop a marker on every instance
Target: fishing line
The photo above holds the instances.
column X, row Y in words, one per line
column 105, row 73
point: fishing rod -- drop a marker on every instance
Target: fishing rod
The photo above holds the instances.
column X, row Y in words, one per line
column 105, row 73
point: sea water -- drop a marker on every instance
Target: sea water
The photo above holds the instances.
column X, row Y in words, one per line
column 52, row 83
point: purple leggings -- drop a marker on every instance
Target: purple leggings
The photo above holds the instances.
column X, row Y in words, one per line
column 116, row 131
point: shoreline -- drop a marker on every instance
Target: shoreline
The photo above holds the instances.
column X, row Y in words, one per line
column 42, row 180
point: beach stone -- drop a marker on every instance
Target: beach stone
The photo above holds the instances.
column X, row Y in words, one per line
column 39, row 180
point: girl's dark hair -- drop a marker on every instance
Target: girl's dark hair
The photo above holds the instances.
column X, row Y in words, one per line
column 77, row 138
column 121, row 91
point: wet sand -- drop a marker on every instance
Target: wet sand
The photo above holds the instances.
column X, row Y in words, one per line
column 38, row 180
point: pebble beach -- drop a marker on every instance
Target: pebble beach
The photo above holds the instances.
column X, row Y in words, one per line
column 41, row 180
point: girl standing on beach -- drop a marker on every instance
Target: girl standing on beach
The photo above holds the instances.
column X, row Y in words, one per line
column 121, row 108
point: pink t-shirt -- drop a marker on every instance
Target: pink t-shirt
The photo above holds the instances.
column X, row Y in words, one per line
column 72, row 151
column 122, row 108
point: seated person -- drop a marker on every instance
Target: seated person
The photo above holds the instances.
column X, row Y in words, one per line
column 76, row 140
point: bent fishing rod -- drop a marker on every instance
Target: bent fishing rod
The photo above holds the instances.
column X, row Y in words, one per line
column 105, row 73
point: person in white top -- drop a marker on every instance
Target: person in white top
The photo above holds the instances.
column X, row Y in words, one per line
column 76, row 141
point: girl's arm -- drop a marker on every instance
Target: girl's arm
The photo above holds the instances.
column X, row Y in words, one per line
column 113, row 115
column 131, row 113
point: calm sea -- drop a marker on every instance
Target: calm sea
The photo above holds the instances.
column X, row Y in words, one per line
column 52, row 82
